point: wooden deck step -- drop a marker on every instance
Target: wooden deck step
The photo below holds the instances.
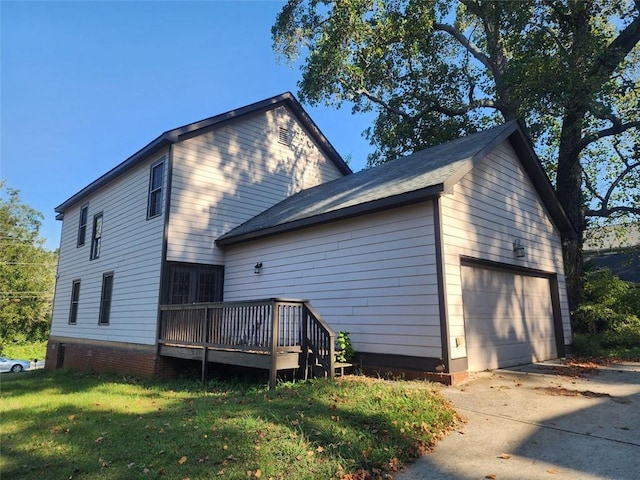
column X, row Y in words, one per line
column 340, row 366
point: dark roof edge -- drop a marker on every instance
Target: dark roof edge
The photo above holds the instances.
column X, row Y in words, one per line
column 502, row 134
column 181, row 133
column 523, row 147
column 151, row 148
column 373, row 206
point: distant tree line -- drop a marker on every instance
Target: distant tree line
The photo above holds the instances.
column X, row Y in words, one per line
column 27, row 272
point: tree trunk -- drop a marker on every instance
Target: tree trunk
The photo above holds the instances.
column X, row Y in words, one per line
column 569, row 191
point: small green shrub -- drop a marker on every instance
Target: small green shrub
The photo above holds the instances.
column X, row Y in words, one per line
column 344, row 349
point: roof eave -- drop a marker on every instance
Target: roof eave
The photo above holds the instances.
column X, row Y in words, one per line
column 181, row 133
column 367, row 208
column 160, row 142
column 521, row 144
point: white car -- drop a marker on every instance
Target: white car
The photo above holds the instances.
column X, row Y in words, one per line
column 13, row 365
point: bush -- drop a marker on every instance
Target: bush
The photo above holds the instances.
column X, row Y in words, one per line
column 609, row 305
column 607, row 322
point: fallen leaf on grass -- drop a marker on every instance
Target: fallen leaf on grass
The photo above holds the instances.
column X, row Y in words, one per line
column 183, row 460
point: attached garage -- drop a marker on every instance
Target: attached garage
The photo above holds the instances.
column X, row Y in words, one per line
column 509, row 317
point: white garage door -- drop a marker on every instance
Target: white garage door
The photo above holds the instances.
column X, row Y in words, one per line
column 508, row 318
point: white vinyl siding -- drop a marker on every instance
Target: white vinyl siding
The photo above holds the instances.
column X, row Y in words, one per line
column 131, row 248
column 222, row 178
column 373, row 276
column 489, row 208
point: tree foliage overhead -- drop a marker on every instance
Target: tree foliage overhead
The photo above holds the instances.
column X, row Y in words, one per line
column 434, row 70
column 27, row 271
column 437, row 69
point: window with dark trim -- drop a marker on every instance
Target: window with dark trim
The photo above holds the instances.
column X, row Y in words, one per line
column 105, row 298
column 96, row 237
column 156, row 181
column 75, row 298
column 82, row 225
column 193, row 283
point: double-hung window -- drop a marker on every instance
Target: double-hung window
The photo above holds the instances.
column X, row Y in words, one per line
column 156, row 181
column 105, row 298
column 75, row 299
column 96, row 237
column 82, row 226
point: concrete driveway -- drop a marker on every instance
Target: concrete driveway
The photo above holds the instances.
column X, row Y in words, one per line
column 541, row 421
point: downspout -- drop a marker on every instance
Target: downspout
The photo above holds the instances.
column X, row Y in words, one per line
column 442, row 284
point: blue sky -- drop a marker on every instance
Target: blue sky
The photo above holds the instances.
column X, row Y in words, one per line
column 86, row 84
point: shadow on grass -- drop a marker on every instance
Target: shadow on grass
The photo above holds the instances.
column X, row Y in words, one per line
column 83, row 426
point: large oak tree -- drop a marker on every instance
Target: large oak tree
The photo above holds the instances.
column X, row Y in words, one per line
column 433, row 70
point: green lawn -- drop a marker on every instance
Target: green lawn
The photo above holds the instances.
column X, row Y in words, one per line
column 71, row 425
column 25, row 350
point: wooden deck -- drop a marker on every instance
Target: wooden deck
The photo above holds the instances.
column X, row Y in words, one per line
column 273, row 334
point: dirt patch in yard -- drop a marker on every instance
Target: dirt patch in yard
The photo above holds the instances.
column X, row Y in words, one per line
column 575, row 368
column 565, row 392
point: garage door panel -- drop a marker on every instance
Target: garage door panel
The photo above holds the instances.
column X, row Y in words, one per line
column 508, row 318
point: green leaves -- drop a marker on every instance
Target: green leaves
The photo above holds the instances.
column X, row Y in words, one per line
column 434, row 70
column 27, row 271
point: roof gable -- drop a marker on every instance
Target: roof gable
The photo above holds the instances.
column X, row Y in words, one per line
column 421, row 176
column 188, row 131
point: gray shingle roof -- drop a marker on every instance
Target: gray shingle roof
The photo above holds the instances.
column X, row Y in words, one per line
column 422, row 175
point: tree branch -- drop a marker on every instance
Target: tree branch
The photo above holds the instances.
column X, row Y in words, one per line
column 378, row 101
column 461, row 110
column 589, row 186
column 607, row 212
column 466, row 43
column 617, row 181
column 612, row 56
column 432, row 107
column 618, row 127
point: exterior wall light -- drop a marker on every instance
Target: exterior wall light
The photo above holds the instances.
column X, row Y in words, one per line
column 257, row 268
column 518, row 248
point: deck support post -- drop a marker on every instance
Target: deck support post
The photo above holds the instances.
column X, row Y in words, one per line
column 305, row 342
column 275, row 335
column 205, row 332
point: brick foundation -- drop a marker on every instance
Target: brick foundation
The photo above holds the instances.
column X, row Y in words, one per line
column 112, row 357
column 444, row 378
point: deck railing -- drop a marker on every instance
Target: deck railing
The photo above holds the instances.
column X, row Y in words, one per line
column 259, row 326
